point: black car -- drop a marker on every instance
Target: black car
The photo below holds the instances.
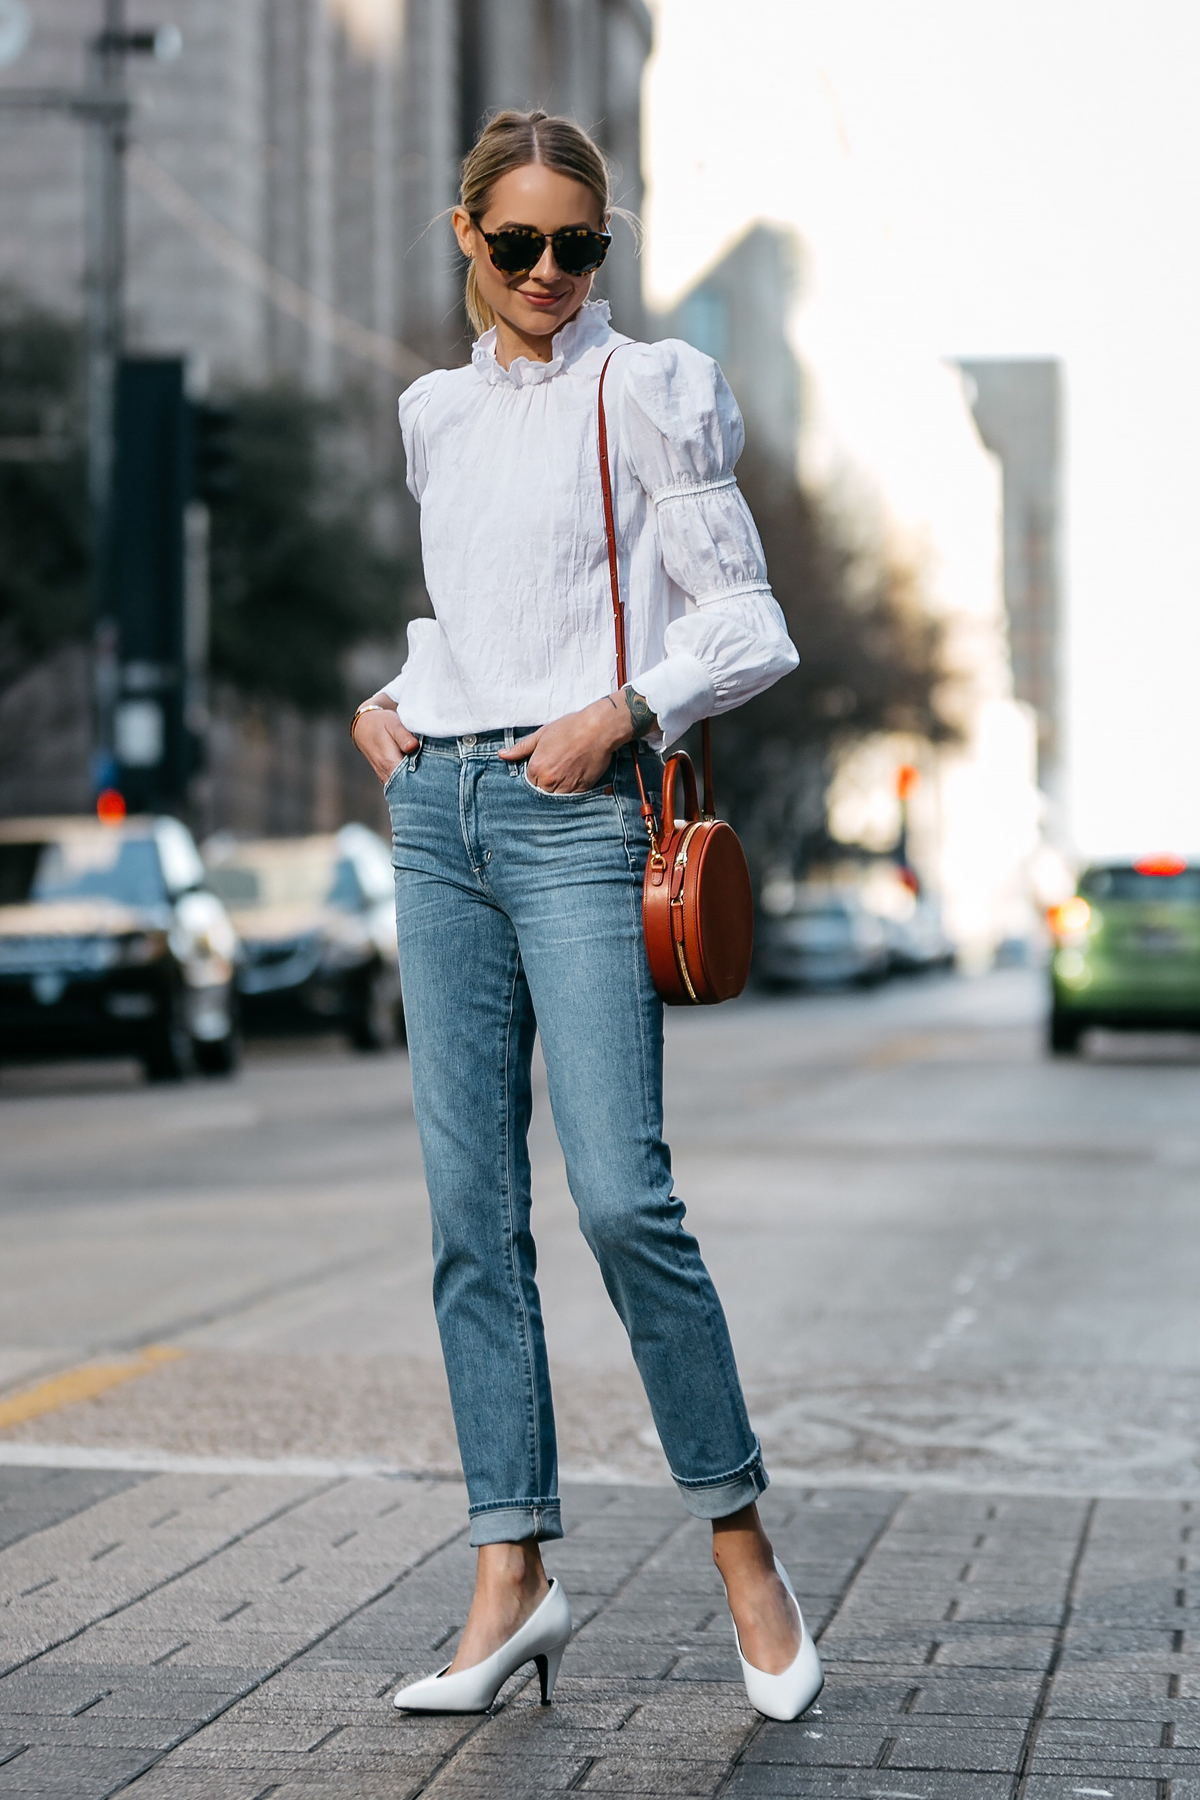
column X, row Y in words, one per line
column 317, row 920
column 111, row 944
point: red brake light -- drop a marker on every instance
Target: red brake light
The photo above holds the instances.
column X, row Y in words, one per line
column 1160, row 865
column 110, row 806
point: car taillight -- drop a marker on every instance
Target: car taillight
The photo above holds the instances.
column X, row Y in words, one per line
column 1070, row 919
column 1160, row 865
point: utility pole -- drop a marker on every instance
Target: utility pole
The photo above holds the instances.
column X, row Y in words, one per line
column 104, row 283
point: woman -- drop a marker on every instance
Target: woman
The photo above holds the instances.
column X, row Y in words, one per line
column 519, row 854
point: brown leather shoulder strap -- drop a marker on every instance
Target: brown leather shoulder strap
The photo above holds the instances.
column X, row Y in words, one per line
column 610, row 532
column 615, row 585
column 610, row 528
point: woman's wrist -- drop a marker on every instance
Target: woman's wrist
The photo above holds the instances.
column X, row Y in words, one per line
column 631, row 717
column 644, row 722
column 381, row 702
column 618, row 724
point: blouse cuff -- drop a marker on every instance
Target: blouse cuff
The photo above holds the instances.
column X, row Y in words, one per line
column 678, row 691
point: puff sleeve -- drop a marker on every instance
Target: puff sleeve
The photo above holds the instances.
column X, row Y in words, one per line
column 682, row 433
column 412, row 407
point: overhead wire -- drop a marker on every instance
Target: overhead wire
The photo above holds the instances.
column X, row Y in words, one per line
column 298, row 302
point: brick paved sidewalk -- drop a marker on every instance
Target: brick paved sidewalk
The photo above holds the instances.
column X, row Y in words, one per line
column 195, row 1637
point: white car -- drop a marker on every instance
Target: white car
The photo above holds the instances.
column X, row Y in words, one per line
column 317, row 920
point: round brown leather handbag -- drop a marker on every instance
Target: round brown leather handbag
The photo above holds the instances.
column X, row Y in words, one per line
column 697, row 906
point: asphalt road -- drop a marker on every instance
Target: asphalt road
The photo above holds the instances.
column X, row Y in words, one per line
column 947, row 1260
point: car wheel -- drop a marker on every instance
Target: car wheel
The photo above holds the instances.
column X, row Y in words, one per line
column 1066, row 1029
column 168, row 1054
column 871, row 978
column 219, row 1056
column 376, row 1024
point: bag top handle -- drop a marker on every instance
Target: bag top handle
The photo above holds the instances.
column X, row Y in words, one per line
column 619, row 618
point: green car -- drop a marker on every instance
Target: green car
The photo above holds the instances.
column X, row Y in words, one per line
column 1127, row 951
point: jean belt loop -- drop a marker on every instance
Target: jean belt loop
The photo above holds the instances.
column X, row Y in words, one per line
column 414, row 756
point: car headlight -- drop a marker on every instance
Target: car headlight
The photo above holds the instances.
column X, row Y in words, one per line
column 142, row 947
column 343, row 949
column 208, row 965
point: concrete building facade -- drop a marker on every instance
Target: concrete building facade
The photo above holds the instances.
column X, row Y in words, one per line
column 288, row 170
column 288, row 175
column 1018, row 408
column 739, row 313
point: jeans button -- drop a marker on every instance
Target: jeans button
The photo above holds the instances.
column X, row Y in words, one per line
column 470, row 741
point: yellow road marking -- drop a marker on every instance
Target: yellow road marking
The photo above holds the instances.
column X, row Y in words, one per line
column 83, row 1383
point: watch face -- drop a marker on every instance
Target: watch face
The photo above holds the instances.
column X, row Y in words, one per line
column 15, row 27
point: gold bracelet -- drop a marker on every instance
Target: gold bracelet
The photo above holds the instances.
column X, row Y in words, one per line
column 366, row 707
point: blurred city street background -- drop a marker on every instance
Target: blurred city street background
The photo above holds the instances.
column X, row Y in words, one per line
column 942, row 1259
column 942, row 1156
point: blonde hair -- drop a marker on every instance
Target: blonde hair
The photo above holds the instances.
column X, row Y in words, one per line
column 512, row 140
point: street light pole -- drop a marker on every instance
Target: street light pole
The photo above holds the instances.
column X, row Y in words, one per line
column 104, row 288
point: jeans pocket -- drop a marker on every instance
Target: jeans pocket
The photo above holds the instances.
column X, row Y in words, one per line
column 401, row 767
column 602, row 787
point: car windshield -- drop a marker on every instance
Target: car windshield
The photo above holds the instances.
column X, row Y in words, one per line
column 95, row 865
column 265, row 875
column 1130, row 884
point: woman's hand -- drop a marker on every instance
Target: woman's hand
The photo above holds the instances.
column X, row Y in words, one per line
column 572, row 753
column 383, row 737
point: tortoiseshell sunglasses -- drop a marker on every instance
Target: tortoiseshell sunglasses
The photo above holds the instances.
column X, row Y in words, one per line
column 519, row 248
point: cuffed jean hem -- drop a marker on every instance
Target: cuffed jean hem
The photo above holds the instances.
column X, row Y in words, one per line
column 728, row 1493
column 513, row 1524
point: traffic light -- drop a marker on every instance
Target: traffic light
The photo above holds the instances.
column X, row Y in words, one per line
column 156, row 578
column 145, row 580
column 173, row 454
column 214, row 450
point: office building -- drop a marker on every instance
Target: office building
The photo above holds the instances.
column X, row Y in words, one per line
column 289, row 174
column 1018, row 409
column 738, row 313
column 288, row 169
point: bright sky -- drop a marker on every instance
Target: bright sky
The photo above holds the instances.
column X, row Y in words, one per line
column 1028, row 174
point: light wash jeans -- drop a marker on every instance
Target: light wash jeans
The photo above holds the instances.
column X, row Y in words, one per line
column 520, row 911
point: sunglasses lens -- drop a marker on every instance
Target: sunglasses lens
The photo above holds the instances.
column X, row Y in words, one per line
column 520, row 249
column 580, row 252
column 516, row 252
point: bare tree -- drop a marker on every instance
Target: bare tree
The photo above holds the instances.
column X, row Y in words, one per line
column 870, row 660
column 44, row 548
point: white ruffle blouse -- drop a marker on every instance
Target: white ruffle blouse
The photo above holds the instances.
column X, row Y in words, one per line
column 504, row 464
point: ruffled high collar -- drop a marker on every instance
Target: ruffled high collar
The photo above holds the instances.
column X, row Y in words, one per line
column 584, row 332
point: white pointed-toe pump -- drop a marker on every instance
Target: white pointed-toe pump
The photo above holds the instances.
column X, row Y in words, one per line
column 787, row 1695
column 541, row 1640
